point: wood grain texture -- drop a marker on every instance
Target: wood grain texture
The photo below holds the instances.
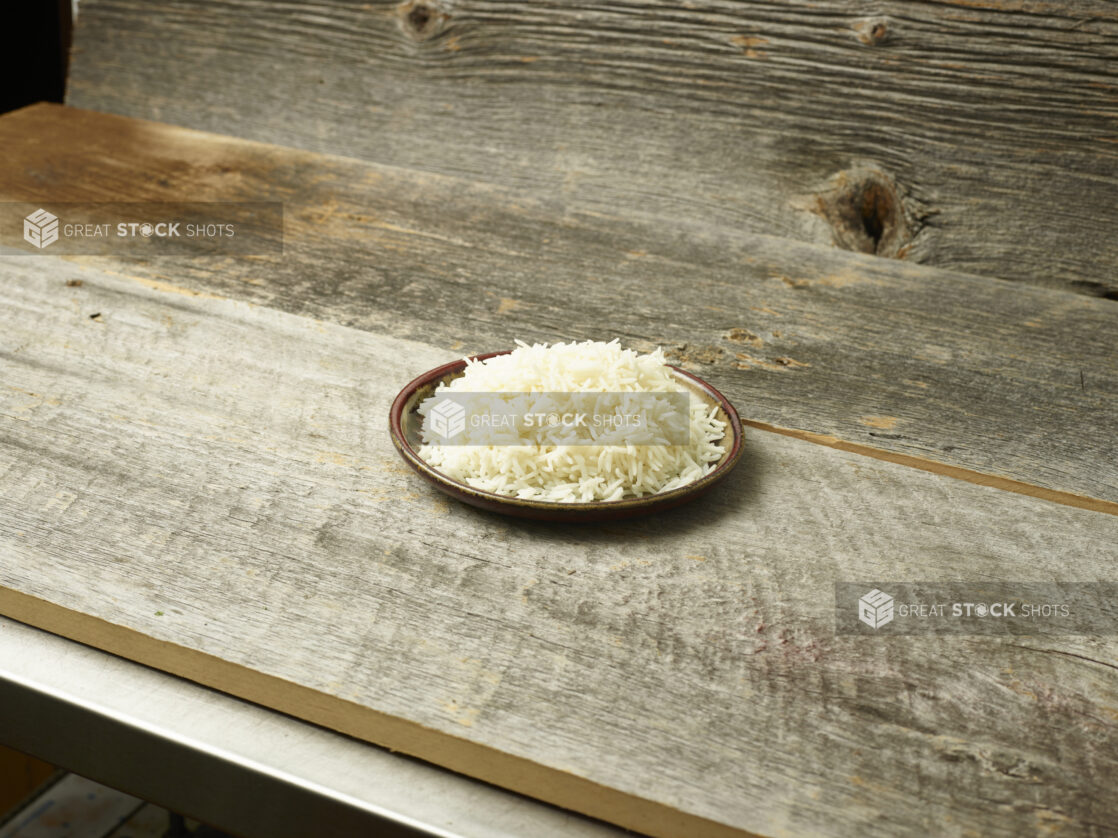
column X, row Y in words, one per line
column 975, row 135
column 208, row 486
column 948, row 370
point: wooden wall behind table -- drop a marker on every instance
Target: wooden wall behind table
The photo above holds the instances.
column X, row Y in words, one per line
column 977, row 135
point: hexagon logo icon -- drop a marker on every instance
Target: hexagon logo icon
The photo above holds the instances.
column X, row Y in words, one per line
column 40, row 228
column 447, row 419
column 875, row 609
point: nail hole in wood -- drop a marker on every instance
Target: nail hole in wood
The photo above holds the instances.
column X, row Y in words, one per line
column 872, row 31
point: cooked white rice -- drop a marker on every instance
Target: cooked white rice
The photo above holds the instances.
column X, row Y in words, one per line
column 542, row 468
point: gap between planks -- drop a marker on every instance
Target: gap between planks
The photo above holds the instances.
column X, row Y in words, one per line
column 993, row 481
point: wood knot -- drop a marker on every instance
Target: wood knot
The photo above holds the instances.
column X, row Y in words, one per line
column 872, row 31
column 866, row 212
column 421, row 20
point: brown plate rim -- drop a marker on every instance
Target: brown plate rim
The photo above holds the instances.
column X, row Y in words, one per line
column 494, row 501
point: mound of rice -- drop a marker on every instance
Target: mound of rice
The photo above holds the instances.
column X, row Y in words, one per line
column 543, row 467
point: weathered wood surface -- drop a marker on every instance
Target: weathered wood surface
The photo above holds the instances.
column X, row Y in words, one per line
column 1016, row 382
column 976, row 135
column 208, row 487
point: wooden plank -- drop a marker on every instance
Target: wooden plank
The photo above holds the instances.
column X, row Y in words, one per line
column 975, row 377
column 207, row 487
column 975, row 135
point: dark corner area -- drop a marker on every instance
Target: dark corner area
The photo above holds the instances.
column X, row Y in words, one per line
column 34, row 52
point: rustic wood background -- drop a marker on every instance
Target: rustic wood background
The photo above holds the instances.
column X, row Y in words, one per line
column 884, row 230
column 205, row 475
column 975, row 135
